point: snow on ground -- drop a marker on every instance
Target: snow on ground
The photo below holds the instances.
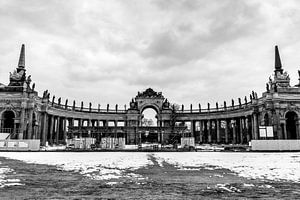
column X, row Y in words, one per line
column 272, row 166
column 4, row 181
column 100, row 166
column 113, row 165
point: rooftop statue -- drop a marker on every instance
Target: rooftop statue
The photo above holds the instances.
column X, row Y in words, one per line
column 298, row 85
column 28, row 80
column 282, row 80
column 16, row 76
column 133, row 105
column 166, row 104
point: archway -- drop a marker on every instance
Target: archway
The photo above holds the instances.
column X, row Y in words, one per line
column 149, row 117
column 291, row 125
column 149, row 132
column 8, row 121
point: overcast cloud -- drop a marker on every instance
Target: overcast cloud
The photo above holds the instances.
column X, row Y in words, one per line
column 106, row 51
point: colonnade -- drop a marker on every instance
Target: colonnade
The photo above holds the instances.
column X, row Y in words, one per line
column 237, row 130
column 54, row 129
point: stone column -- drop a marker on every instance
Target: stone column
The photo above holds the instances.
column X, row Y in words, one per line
column 201, row 131
column 97, row 131
column 205, row 132
column 242, row 123
column 234, row 132
column 51, row 129
column 15, row 127
column 255, row 127
column 89, row 124
column 64, row 129
column 248, row 122
column 80, row 127
column 279, row 130
column 226, row 131
column 192, row 128
column 22, row 122
column 71, row 123
column 285, row 131
column 105, row 123
column 297, row 129
column 161, row 133
column 115, row 128
column 276, row 125
column 218, row 131
column 45, row 129
column 29, row 134
column 57, row 130
column 209, row 131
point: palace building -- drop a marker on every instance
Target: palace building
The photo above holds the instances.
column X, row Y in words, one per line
column 25, row 114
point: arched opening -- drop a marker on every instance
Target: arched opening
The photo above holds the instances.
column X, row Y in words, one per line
column 149, row 117
column 149, row 134
column 291, row 125
column 8, row 121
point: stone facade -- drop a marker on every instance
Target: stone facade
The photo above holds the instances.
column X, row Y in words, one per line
column 24, row 114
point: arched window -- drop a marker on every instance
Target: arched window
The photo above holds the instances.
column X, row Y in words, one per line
column 8, row 120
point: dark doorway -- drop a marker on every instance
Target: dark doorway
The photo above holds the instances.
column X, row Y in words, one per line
column 8, row 120
column 33, row 136
column 291, row 128
column 266, row 120
column 149, row 137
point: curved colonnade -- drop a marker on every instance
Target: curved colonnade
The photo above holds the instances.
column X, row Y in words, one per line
column 24, row 114
column 234, row 124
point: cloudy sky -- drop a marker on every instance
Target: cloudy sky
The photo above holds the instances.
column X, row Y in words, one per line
column 193, row 51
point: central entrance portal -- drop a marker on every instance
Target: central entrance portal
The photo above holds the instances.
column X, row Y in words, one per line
column 149, row 133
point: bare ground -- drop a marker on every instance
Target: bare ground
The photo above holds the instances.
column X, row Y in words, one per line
column 161, row 182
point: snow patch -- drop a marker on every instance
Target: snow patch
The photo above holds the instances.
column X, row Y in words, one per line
column 95, row 165
column 227, row 187
column 271, row 166
column 4, row 181
column 248, row 185
column 114, row 165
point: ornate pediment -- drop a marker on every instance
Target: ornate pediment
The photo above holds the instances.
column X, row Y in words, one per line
column 150, row 93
